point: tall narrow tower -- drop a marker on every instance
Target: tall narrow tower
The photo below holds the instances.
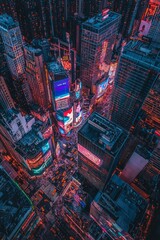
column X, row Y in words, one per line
column 12, row 40
column 98, row 38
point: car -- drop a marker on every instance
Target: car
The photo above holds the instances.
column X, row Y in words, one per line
column 54, row 192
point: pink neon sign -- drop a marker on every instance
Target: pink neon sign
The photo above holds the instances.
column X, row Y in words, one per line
column 89, row 155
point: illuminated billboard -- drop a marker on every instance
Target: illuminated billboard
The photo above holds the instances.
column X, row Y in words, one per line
column 77, row 113
column 62, row 104
column 47, row 156
column 78, row 87
column 61, row 89
column 89, row 155
column 65, row 119
column 101, row 87
column 45, row 148
column 68, row 116
column 61, row 93
column 144, row 28
column 58, row 150
column 48, row 132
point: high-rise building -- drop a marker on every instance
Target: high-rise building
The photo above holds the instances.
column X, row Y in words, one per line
column 138, row 68
column 131, row 11
column 27, row 140
column 6, row 101
column 9, row 7
column 154, row 31
column 150, row 108
column 44, row 45
column 98, row 38
column 100, row 145
column 150, row 22
column 92, row 7
column 12, row 40
column 119, row 210
column 35, row 73
column 60, row 86
column 15, row 205
column 147, row 178
column 29, row 19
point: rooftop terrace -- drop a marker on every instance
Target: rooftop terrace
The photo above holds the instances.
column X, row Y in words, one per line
column 101, row 20
column 103, row 133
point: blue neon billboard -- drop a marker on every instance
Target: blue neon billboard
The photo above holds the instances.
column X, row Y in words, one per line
column 61, row 89
column 45, row 148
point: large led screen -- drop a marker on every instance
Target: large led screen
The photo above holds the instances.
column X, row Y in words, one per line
column 89, row 155
column 45, row 148
column 61, row 89
column 65, row 120
column 101, row 88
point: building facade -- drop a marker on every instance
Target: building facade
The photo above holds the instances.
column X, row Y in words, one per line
column 98, row 38
column 100, row 145
column 137, row 70
column 36, row 77
column 6, row 101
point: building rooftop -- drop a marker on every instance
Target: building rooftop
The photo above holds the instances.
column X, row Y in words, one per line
column 101, row 20
column 146, row 52
column 33, row 50
column 120, row 202
column 105, row 134
column 36, row 108
column 30, row 144
column 56, row 71
column 7, row 22
column 40, row 42
column 14, row 206
column 136, row 163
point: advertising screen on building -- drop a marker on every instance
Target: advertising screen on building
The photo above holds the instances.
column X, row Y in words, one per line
column 48, row 132
column 65, row 119
column 47, row 156
column 61, row 89
column 62, row 103
column 45, row 148
column 68, row 116
column 36, row 162
column 77, row 113
column 89, row 155
column 144, row 28
column 78, row 87
column 101, row 87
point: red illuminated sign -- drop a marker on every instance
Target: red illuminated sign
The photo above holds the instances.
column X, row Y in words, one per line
column 48, row 133
column 157, row 132
column 45, row 157
column 89, row 155
column 105, row 11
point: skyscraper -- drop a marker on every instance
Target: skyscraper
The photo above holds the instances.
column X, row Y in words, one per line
column 28, row 16
column 100, row 145
column 130, row 10
column 6, row 100
column 9, row 7
column 154, row 31
column 36, row 77
column 15, row 205
column 12, row 40
column 98, row 38
column 138, row 68
column 150, row 108
column 92, row 7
